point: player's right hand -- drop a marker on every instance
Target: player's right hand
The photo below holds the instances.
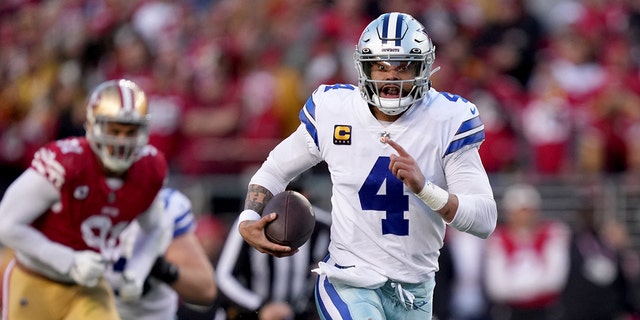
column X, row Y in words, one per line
column 88, row 266
column 253, row 233
column 405, row 167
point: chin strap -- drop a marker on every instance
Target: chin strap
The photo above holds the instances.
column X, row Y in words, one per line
column 430, row 74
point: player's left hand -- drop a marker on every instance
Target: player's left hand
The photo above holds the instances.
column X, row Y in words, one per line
column 405, row 167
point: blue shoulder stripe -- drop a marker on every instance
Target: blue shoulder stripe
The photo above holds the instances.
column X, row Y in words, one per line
column 308, row 117
column 468, row 140
column 469, row 132
column 183, row 223
column 469, row 125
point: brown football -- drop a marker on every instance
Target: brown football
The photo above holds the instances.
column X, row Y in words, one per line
column 295, row 222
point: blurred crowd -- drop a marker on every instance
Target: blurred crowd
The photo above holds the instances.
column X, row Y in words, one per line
column 537, row 267
column 557, row 82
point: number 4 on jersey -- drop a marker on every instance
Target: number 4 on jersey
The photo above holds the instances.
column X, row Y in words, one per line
column 393, row 202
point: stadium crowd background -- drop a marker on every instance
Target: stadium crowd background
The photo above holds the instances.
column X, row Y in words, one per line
column 557, row 82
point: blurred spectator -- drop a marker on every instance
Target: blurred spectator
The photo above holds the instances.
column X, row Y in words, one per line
column 167, row 102
column 614, row 112
column 501, row 99
column 258, row 89
column 546, row 124
column 26, row 118
column 211, row 119
column 158, row 22
column 526, row 261
column 131, row 58
column 331, row 50
column 597, row 287
column 511, row 38
column 341, row 24
column 68, row 100
column 573, row 65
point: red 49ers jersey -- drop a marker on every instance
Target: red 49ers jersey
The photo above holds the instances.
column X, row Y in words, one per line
column 91, row 215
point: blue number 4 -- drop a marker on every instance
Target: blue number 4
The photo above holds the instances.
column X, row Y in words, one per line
column 394, row 202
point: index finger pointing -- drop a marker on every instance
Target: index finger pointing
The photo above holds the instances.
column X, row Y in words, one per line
column 396, row 146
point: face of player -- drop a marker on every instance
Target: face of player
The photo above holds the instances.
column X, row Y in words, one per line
column 394, row 71
column 122, row 137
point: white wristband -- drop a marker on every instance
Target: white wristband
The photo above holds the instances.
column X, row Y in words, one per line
column 248, row 215
column 435, row 197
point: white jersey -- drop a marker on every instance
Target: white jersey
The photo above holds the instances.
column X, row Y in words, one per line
column 376, row 220
column 160, row 302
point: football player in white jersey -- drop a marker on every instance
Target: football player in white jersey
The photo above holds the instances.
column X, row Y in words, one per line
column 183, row 272
column 403, row 160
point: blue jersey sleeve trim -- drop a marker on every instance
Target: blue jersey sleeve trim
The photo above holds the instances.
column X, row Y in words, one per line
column 183, row 223
column 462, row 142
column 307, row 116
column 469, row 125
column 180, row 231
column 462, row 138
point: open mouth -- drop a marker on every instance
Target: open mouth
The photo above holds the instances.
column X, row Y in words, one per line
column 390, row 91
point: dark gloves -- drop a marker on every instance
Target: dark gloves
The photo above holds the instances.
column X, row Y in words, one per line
column 164, row 271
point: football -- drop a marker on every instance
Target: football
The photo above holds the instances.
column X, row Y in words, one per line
column 295, row 222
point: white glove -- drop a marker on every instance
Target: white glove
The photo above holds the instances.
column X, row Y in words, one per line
column 88, row 266
column 131, row 289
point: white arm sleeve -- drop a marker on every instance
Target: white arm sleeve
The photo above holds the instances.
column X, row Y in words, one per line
column 288, row 159
column 466, row 178
column 229, row 283
column 26, row 199
column 153, row 238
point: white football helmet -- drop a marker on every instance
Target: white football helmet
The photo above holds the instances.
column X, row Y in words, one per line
column 117, row 101
column 394, row 38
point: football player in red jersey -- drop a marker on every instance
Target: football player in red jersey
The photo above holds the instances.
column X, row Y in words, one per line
column 63, row 215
